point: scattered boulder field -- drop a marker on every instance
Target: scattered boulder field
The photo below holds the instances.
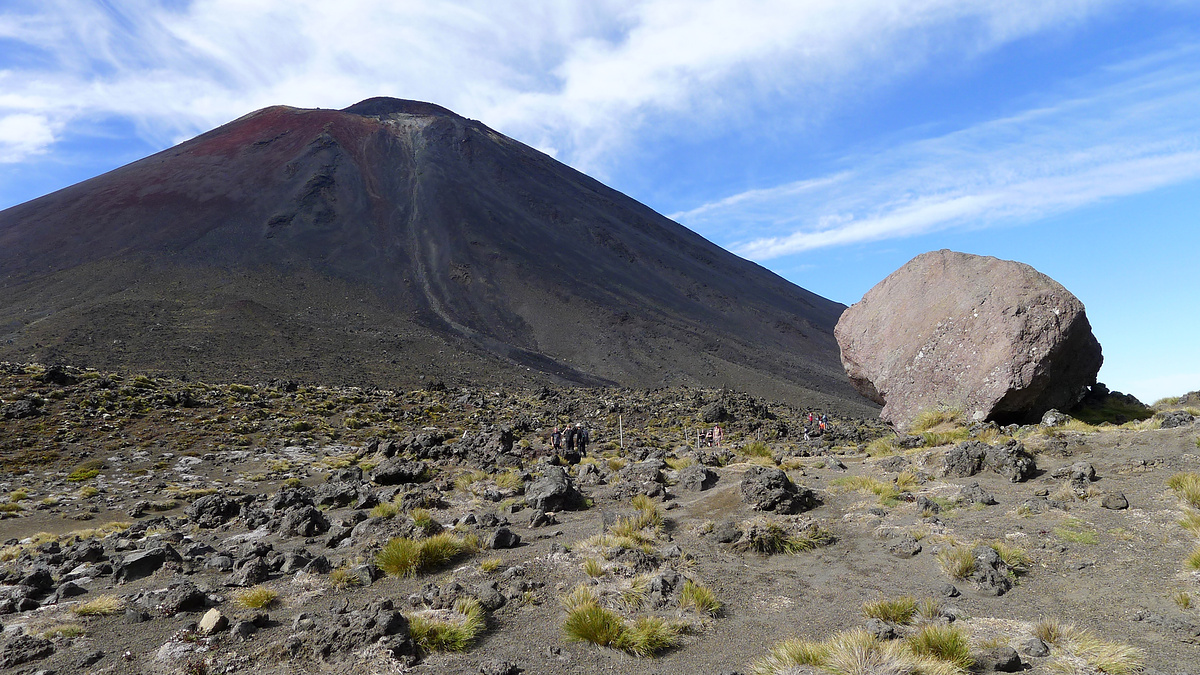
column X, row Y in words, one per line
column 995, row 338
column 153, row 525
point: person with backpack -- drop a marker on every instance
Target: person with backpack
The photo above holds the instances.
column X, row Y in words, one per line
column 583, row 438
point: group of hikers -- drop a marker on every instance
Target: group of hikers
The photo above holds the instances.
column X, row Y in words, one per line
column 576, row 437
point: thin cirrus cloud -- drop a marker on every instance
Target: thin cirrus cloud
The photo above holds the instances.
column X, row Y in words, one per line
column 577, row 79
column 1134, row 131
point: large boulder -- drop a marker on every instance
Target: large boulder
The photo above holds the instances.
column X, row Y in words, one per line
column 554, row 491
column 996, row 338
column 769, row 489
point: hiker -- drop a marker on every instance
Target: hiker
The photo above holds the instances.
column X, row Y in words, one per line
column 556, row 440
column 718, row 436
column 572, row 455
column 584, row 437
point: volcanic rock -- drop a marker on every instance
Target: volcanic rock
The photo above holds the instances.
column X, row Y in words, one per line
column 769, row 489
column 993, row 337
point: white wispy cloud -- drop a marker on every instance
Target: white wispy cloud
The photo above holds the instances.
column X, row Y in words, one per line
column 580, row 79
column 1135, row 130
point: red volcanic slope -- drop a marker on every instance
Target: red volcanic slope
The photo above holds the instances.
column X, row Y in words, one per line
column 386, row 241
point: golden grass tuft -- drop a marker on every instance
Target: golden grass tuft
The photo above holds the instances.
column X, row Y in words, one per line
column 1187, row 486
column 454, row 633
column 897, row 610
column 957, row 561
column 104, row 605
column 700, row 598
column 258, row 597
column 405, row 557
column 854, row 652
column 944, row 643
column 593, row 568
column 490, row 565
column 930, row 419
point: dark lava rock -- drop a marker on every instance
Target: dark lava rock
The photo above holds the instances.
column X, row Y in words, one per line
column 144, row 563
column 696, row 478
column 379, row 623
column 21, row 410
column 24, row 648
column 397, row 471
column 1009, row 460
column 1115, row 501
column 769, row 489
column 304, row 521
column 1035, row 647
column 991, row 575
column 973, row 494
column 212, row 511
column 183, row 597
column 1002, row 659
column 995, row 338
column 503, row 538
column 1176, row 418
column 554, row 491
column 905, row 547
column 726, row 532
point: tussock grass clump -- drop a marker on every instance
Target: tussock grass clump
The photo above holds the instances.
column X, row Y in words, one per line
column 1107, row 657
column 1183, row 599
column 104, row 605
column 385, row 510
column 448, row 633
column 1187, row 486
column 342, row 578
column 589, row 622
column 490, row 565
column 700, row 598
column 898, row 610
column 944, row 643
column 647, row 636
column 1013, row 556
column 888, row 493
column 757, row 449
column 258, row 597
column 769, row 538
column 509, row 480
column 957, row 561
column 1192, row 562
column 935, row 439
column 927, row 420
column 592, row 623
column 593, row 568
column 929, row 609
column 882, row 447
column 678, row 463
column 423, row 519
column 404, row 557
column 63, row 630
column 854, row 652
column 579, row 596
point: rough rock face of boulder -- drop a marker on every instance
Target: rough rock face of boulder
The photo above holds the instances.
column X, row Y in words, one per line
column 553, row 492
column 996, row 338
column 1010, row 460
column 768, row 489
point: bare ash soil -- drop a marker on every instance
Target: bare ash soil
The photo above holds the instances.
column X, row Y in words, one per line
column 123, row 461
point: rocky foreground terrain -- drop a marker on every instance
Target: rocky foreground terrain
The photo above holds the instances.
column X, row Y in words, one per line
column 166, row 526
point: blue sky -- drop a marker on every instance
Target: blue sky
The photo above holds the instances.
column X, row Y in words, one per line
column 829, row 140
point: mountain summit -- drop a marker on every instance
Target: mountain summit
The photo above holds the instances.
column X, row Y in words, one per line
column 385, row 243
